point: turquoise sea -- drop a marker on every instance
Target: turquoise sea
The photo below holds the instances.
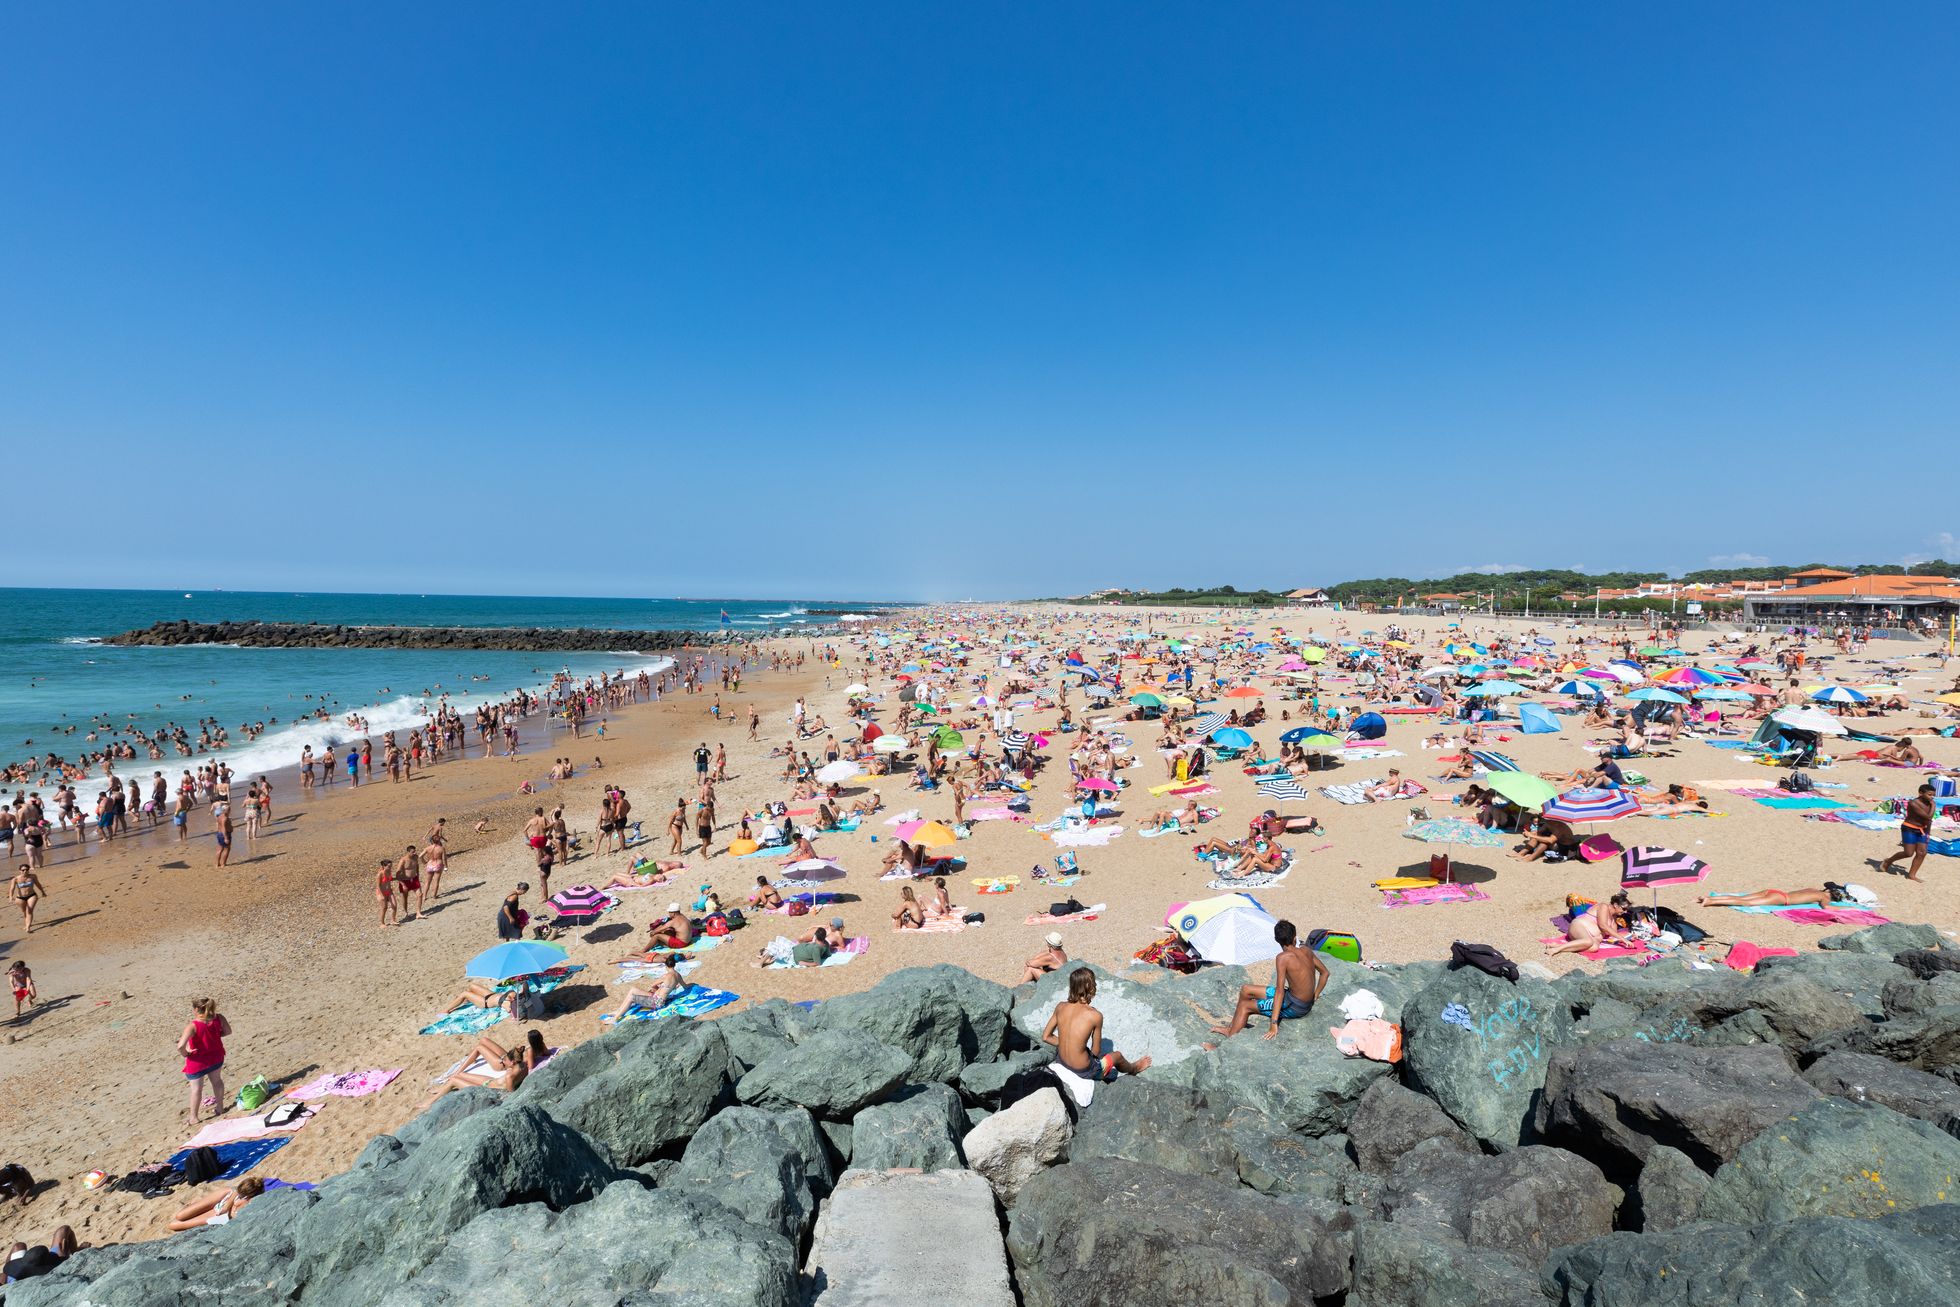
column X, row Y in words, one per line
column 56, row 684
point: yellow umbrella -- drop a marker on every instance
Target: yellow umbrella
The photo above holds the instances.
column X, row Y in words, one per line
column 1953, row 698
column 1178, row 701
column 933, row 834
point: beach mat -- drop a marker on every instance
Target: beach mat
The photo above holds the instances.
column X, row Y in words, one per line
column 946, row 925
column 345, row 1084
column 1802, row 801
column 697, row 1000
column 238, row 1158
column 464, row 1021
column 1426, row 895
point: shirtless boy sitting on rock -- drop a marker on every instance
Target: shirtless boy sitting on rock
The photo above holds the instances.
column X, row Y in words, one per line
column 1076, row 1031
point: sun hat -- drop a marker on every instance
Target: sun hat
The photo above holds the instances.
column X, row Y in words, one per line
column 1054, row 939
column 674, row 907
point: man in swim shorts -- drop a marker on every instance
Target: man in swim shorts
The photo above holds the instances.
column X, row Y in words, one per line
column 1300, row 976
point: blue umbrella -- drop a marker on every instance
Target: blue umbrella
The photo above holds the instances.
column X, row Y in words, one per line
column 1491, row 688
column 1231, row 738
column 1722, row 692
column 519, row 957
column 1657, row 695
column 1584, row 689
column 1839, row 694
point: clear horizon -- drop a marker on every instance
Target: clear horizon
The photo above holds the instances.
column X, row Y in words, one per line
column 928, row 300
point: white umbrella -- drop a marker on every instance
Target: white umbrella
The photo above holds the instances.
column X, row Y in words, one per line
column 891, row 744
column 842, row 770
column 857, row 689
column 1809, row 719
column 1431, row 673
column 1237, row 937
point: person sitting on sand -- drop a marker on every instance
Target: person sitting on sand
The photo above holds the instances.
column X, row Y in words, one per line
column 912, row 857
column 1075, row 1028
column 1299, row 976
column 27, row 1263
column 867, row 804
column 1586, row 930
column 217, row 1208
column 1053, row 957
column 665, row 986
column 910, row 916
column 1461, row 768
column 1262, row 858
column 765, row 896
column 939, row 903
column 1546, row 835
column 1822, row 896
column 803, row 850
column 506, row 1068
column 675, row 930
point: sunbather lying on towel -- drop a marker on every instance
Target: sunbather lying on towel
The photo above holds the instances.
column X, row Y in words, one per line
column 521, row 1002
column 646, row 874
column 1821, row 895
column 217, row 1208
column 1184, row 820
column 1270, row 824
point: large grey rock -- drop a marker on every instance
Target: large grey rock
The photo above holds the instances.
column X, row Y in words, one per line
column 456, row 1105
column 1164, row 1125
column 768, row 1167
column 1613, row 1102
column 834, row 1073
column 1902, row 1260
column 369, row 1232
column 1860, row 977
column 629, row 1244
column 943, row 1017
column 1167, row 1020
column 1299, row 1078
column 920, row 1128
column 1909, row 997
column 571, row 1067
column 1928, row 1041
column 1107, row 1232
column 1487, row 1077
column 1522, row 1203
column 980, row 1083
column 1836, row 1159
column 1390, row 1120
column 1668, row 1193
column 908, row 1237
column 1276, row 1161
column 1410, row 1266
column 1787, row 1006
column 1883, row 940
column 757, row 1032
column 1925, row 963
column 655, row 1095
column 1637, row 987
column 1863, row 1077
column 1015, row 1143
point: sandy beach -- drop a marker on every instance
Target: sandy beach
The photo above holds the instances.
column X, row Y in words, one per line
column 285, row 939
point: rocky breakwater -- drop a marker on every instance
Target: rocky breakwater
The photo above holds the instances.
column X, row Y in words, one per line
column 1656, row 1136
column 316, row 635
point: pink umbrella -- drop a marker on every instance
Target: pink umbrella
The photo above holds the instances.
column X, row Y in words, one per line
column 1037, row 741
column 1097, row 784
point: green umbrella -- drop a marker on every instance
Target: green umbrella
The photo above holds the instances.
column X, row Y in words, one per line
column 1146, row 701
column 948, row 738
column 1522, row 788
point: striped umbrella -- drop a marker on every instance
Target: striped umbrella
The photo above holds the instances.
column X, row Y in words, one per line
column 1491, row 760
column 1651, row 866
column 1592, row 803
column 1687, row 676
column 1579, row 689
column 1839, row 694
column 1282, row 787
column 580, row 904
column 1208, row 723
column 1015, row 740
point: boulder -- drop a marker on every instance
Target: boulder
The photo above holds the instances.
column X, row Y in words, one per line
column 571, row 1067
column 908, row 1237
column 1523, row 1203
column 834, row 1073
column 942, row 1017
column 980, row 1083
column 1668, row 1193
column 1793, row 1009
column 1835, row 1158
column 1486, row 1075
column 367, row 1233
column 1901, row 1260
column 1864, row 1078
column 1908, row 997
column 1016, row 1142
column 1614, row 1102
column 1276, row 1161
column 1410, row 1266
column 629, row 1243
column 454, row 1106
column 1928, row 1040
column 1925, row 963
column 1637, row 987
column 1163, row 1125
column 1299, row 1078
column 1883, row 940
column 1108, row 1232
column 655, row 1095
column 755, row 1033
column 769, row 1168
column 1860, row 977
column 920, row 1128
column 1390, row 1120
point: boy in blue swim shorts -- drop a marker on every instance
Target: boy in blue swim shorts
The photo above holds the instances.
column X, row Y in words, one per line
column 1301, row 975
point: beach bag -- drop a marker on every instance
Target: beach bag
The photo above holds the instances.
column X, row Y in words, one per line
column 1484, row 958
column 974, row 918
column 147, row 1180
column 1674, row 923
column 1439, row 866
column 716, row 925
column 525, row 1005
column 202, row 1166
column 1861, row 895
column 797, row 908
column 1068, row 907
column 1335, row 944
column 735, row 918
column 252, row 1095
column 284, row 1114
column 1798, row 783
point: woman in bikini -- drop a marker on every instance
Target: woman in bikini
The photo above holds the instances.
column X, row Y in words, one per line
column 1586, row 930
column 1821, row 896
column 941, row 903
column 433, row 866
column 765, row 895
column 218, row 1208
column 506, row 1068
column 384, row 891
column 26, row 890
column 909, row 915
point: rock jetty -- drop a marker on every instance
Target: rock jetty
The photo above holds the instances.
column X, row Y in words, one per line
column 318, row 635
column 1657, row 1136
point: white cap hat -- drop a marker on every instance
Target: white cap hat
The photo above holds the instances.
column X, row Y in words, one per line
column 1054, row 939
column 673, row 907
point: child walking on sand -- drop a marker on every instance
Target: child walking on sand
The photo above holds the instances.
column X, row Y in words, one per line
column 203, row 1047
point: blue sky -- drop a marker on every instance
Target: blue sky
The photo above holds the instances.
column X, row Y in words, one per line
column 948, row 300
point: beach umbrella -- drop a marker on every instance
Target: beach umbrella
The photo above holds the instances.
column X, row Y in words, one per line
column 1653, row 694
column 1282, row 787
column 856, row 689
column 1592, row 803
column 926, row 708
column 1231, row 737
column 811, row 871
column 1808, row 719
column 1208, row 723
column 1687, row 676
column 1440, row 669
column 929, row 833
column 1243, row 692
column 948, row 738
column 1179, row 701
column 1239, row 936
column 1544, row 641
column 580, row 901
column 1146, row 701
column 1522, row 788
column 1097, row 785
column 1187, row 917
column 1313, row 653
column 1952, row 699
column 517, row 957
column 1311, row 737
column 1579, row 689
column 1493, row 689
column 1721, row 692
column 1839, row 694
column 836, row 773
column 891, row 744
column 1492, row 760
column 1649, row 866
column 1100, row 692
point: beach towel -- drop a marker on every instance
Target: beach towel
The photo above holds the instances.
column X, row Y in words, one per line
column 946, row 925
column 1603, row 950
column 848, row 953
column 1372, row 1038
column 694, row 1001
column 635, row 973
column 1087, row 837
column 238, row 1158
column 1834, row 917
column 1802, row 801
column 1351, row 794
column 1425, row 895
column 1089, row 913
column 346, row 1084
column 1743, row 956
column 1729, row 744
column 1599, row 848
column 229, row 1130
column 1256, row 880
column 1769, row 907
column 1366, row 753
column 1864, row 820
column 464, row 1021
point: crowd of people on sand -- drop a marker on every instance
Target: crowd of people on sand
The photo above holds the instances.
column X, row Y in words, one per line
column 975, row 746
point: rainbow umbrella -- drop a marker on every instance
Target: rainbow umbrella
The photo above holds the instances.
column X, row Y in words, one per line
column 1592, row 803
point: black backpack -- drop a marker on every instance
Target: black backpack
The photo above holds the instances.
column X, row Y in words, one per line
column 202, row 1166
column 1668, row 919
column 1798, row 783
column 1484, row 958
column 1068, row 907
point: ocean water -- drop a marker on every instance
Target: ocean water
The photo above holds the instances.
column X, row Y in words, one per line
column 56, row 684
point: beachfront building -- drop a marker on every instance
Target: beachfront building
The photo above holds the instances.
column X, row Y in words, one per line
column 1825, row 597
column 1307, row 597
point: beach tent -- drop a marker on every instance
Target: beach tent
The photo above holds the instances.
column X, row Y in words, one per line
column 1368, row 726
column 1536, row 719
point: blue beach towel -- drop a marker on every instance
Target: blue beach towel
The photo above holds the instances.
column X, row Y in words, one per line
column 464, row 1021
column 1802, row 801
column 239, row 1157
column 696, row 1000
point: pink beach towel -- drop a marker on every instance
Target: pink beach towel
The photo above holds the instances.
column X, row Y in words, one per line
column 945, row 925
column 1834, row 917
column 348, row 1084
column 1455, row 892
column 230, row 1130
column 1603, row 950
column 1743, row 956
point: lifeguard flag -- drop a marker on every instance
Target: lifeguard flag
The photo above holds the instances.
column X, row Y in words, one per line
column 724, row 617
